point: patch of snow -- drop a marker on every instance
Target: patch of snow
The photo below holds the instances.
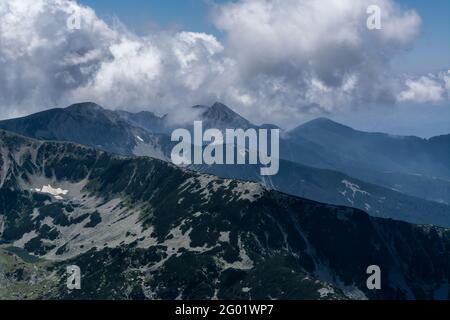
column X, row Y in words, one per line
column 56, row 192
column 34, row 183
column 354, row 188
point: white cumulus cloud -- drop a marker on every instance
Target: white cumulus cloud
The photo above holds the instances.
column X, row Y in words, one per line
column 429, row 88
column 315, row 55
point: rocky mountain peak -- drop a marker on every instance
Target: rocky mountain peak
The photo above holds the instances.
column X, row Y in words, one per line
column 221, row 116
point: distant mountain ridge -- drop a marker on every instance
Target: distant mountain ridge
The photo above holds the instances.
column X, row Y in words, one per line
column 92, row 125
column 380, row 151
column 404, row 163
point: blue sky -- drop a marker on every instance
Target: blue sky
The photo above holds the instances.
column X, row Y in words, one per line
column 139, row 15
column 430, row 52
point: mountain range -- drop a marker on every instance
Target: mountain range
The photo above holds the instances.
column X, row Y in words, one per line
column 321, row 160
column 142, row 228
column 403, row 163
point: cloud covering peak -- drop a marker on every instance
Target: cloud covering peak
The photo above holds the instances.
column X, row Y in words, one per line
column 277, row 61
